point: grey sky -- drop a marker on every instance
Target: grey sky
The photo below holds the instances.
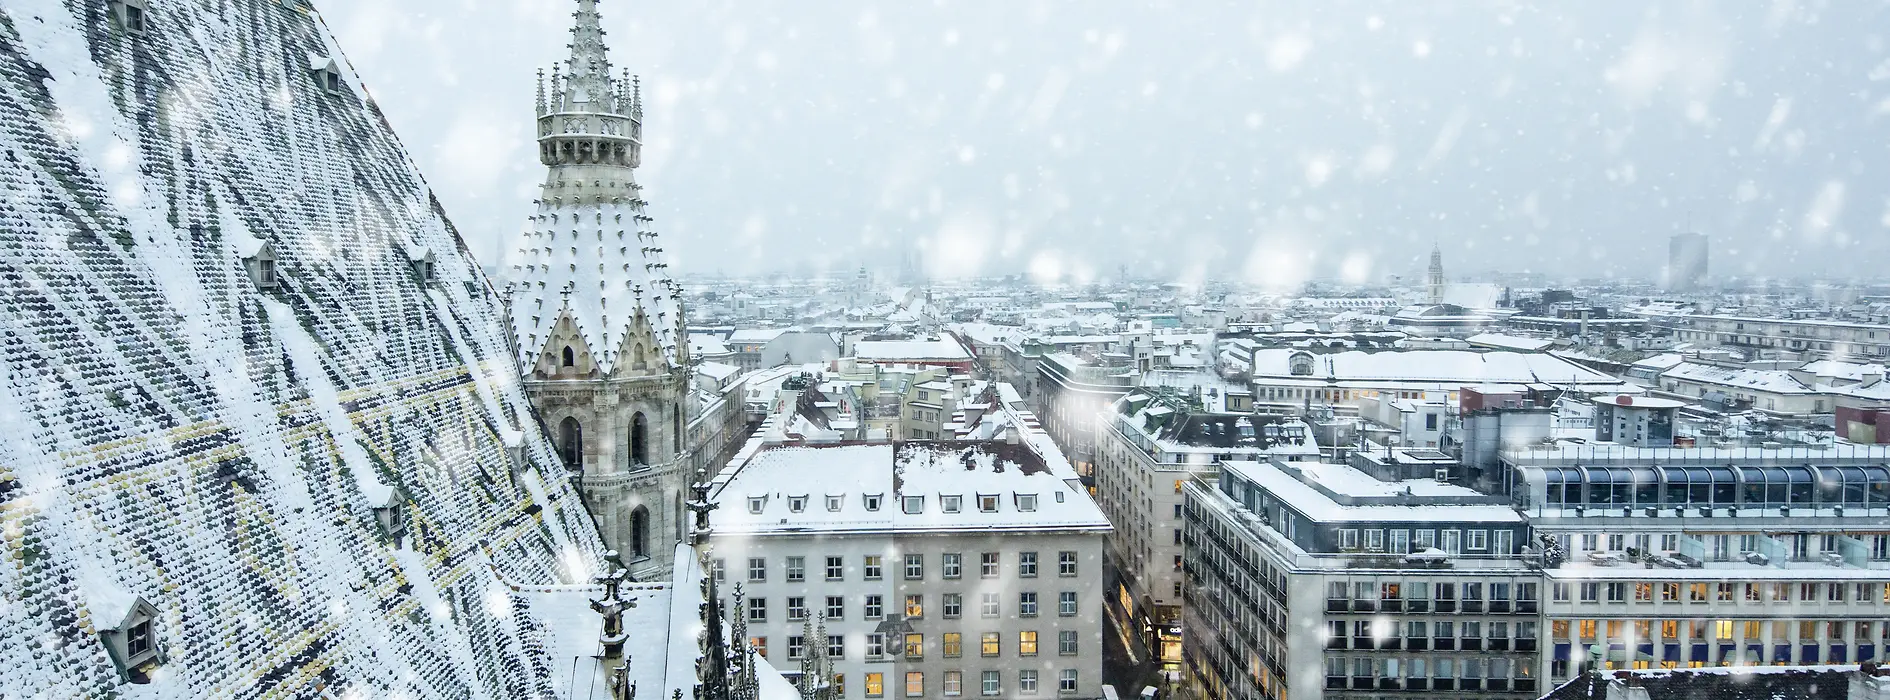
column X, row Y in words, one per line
column 1256, row 140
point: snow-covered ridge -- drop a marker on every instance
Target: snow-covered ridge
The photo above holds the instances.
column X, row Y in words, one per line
column 173, row 432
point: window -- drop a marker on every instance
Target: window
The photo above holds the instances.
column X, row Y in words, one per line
column 987, row 503
column 797, row 503
column 954, row 683
column 796, row 647
column 1027, row 681
column 989, row 683
column 915, row 567
column 1066, row 563
column 760, row 645
column 1374, row 540
column 797, row 568
column 138, row 640
column 915, row 684
column 875, row 607
column 954, row 604
column 1479, row 540
column 839, row 685
column 875, row 685
column 875, row 645
column 872, row 502
column 1348, row 539
column 914, row 505
column 988, row 564
column 757, row 609
column 1027, row 564
column 835, row 568
column 833, row 503
column 1027, row 502
column 757, row 569
column 950, row 564
column 1066, row 681
column 836, row 647
column 756, row 503
column 1027, row 604
column 873, row 569
column 988, row 644
column 1027, row 643
column 720, row 567
column 836, row 607
column 1451, row 541
column 796, row 608
column 1066, row 643
column 915, row 646
column 954, row 645
column 951, row 504
column 989, row 605
column 915, row 605
column 1066, row 603
column 1591, row 591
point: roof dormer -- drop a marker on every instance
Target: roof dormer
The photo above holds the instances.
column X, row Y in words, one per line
column 131, row 16
column 130, row 638
column 326, row 72
column 259, row 259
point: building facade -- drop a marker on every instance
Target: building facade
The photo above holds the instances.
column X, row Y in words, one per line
column 596, row 315
column 925, row 569
column 1149, row 444
column 1319, row 581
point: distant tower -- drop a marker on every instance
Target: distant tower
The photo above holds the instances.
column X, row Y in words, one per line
column 1434, row 286
column 599, row 320
column 1686, row 261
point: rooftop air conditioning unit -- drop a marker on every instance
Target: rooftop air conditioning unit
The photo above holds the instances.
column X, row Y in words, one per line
column 1706, row 511
column 1441, row 474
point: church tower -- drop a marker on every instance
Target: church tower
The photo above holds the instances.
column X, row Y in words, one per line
column 598, row 319
column 1434, row 286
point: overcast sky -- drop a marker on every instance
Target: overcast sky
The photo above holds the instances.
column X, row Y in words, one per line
column 1259, row 141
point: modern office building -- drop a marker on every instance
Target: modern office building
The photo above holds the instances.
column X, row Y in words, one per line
column 1686, row 261
column 1151, row 443
column 918, row 569
column 1309, row 581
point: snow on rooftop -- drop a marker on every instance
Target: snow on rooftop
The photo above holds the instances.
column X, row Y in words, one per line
column 1438, row 366
column 910, row 350
column 1318, row 506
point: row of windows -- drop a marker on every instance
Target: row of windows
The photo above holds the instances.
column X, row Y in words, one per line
column 1720, row 592
column 990, row 683
column 911, row 505
column 952, row 606
column 1379, row 590
column 1430, row 667
column 1726, row 630
column 913, row 646
column 1382, row 628
column 873, row 566
column 1798, row 546
column 1405, row 541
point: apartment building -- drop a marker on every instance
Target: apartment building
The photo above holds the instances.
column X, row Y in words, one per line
column 1815, row 337
column 1692, row 557
column 924, row 569
column 1311, row 580
column 1152, row 442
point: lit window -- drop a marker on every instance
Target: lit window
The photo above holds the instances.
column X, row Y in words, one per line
column 988, row 644
column 953, row 645
column 1027, row 643
column 954, row 683
column 915, row 646
column 915, row 684
column 987, row 503
column 875, row 685
column 915, row 605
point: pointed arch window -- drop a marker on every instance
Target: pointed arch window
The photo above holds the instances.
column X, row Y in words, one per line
column 640, row 532
column 639, row 440
column 570, row 357
column 571, row 442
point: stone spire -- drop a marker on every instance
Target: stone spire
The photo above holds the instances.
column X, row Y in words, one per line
column 1434, row 286
column 590, row 234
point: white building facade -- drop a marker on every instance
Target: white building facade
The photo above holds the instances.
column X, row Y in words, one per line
column 924, row 569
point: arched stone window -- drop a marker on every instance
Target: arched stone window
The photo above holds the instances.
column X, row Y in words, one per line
column 570, row 357
column 571, row 441
column 640, row 532
column 639, row 439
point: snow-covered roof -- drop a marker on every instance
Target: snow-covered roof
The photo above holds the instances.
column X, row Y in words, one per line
column 717, row 370
column 1509, row 342
column 1317, row 506
column 910, row 350
column 1771, row 381
column 1434, row 366
column 930, row 470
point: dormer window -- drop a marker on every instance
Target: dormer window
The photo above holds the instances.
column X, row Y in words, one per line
column 872, row 502
column 327, row 74
column 987, row 503
column 423, row 267
column 756, row 503
column 130, row 637
column 260, row 262
column 833, row 503
column 130, row 15
column 387, row 511
column 797, row 503
column 951, row 504
column 1059, row 496
column 914, row 505
column 1026, row 502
